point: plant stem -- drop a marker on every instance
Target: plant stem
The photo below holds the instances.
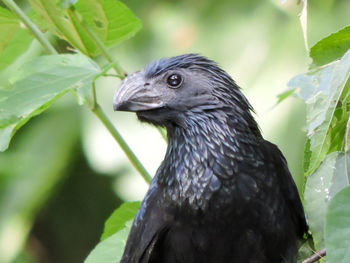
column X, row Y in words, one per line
column 316, row 257
column 163, row 133
column 97, row 41
column 116, row 135
column 31, row 26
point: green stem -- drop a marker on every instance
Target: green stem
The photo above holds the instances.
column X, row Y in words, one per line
column 163, row 133
column 97, row 41
column 31, row 26
column 94, row 97
column 116, row 135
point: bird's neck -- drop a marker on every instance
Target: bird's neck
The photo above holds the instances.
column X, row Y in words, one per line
column 198, row 154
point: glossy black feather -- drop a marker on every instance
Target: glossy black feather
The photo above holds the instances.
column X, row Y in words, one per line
column 222, row 193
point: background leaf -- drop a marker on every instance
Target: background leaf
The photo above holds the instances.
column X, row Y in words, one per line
column 331, row 48
column 37, row 85
column 14, row 38
column 321, row 186
column 33, row 167
column 337, row 231
column 118, row 219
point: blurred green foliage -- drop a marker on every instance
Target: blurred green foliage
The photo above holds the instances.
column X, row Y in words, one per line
column 55, row 192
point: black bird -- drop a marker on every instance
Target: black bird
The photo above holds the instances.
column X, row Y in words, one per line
column 222, row 193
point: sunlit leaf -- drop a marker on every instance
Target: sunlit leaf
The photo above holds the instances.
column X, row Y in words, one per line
column 110, row 20
column 110, row 250
column 14, row 38
column 337, row 230
column 331, row 48
column 323, row 90
column 118, row 219
column 321, row 186
column 37, row 85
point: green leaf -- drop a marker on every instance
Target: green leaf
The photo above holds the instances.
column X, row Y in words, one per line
column 321, row 186
column 111, row 21
column 122, row 24
column 331, row 48
column 14, row 38
column 284, row 95
column 120, row 216
column 337, row 230
column 323, row 90
column 110, row 250
column 37, row 85
column 115, row 234
column 58, row 21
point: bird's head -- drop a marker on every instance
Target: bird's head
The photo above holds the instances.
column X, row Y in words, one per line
column 169, row 90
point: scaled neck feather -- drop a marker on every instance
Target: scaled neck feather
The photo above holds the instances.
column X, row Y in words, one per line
column 201, row 155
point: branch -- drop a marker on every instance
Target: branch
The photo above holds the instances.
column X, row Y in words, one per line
column 315, row 257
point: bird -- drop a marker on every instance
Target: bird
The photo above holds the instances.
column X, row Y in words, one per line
column 222, row 193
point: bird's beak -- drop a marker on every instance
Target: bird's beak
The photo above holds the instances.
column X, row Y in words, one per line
column 134, row 94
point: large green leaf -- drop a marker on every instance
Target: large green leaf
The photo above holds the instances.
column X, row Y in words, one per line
column 324, row 90
column 321, row 186
column 110, row 20
column 118, row 219
column 37, row 85
column 14, row 38
column 110, row 250
column 337, row 230
column 331, row 48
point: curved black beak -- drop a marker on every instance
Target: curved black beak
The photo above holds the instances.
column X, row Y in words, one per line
column 134, row 94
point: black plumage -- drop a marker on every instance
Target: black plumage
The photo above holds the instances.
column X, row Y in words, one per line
column 222, row 193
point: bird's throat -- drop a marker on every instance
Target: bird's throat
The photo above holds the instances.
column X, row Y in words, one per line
column 198, row 160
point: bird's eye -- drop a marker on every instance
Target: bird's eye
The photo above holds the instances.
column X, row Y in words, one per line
column 174, row 81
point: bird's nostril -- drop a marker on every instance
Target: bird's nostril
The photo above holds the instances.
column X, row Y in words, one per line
column 146, row 84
